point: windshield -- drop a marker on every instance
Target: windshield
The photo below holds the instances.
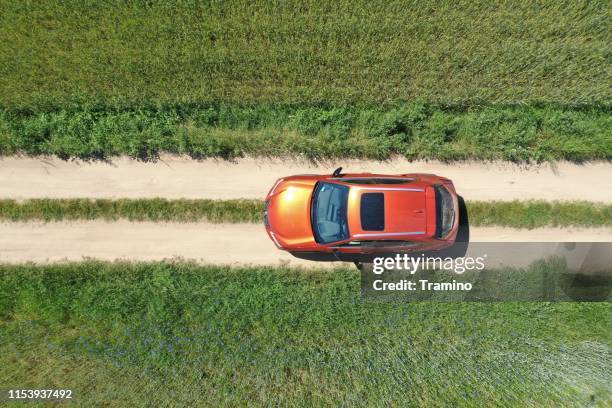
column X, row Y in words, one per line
column 329, row 220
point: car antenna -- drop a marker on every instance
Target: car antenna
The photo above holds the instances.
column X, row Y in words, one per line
column 336, row 172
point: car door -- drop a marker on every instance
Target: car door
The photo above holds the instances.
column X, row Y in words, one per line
column 368, row 179
column 363, row 251
column 377, row 246
column 351, row 251
column 389, row 246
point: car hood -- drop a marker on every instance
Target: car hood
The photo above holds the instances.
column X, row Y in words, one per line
column 289, row 213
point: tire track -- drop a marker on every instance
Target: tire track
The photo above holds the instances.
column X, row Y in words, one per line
column 208, row 243
column 176, row 177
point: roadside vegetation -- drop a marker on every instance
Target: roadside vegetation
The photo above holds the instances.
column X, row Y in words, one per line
column 413, row 130
column 363, row 79
column 514, row 214
column 178, row 333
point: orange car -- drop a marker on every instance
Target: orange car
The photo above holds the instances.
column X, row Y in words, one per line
column 346, row 216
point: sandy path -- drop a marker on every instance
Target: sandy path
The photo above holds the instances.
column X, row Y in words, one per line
column 210, row 243
column 175, row 177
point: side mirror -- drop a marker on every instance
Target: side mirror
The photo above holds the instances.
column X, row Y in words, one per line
column 336, row 172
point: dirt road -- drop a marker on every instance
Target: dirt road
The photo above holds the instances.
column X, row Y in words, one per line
column 175, row 177
column 209, row 243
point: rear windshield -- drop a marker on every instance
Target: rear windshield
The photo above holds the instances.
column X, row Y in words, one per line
column 329, row 212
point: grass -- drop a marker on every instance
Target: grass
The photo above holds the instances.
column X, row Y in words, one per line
column 416, row 130
column 60, row 53
column 176, row 333
column 535, row 213
column 156, row 209
column 515, row 214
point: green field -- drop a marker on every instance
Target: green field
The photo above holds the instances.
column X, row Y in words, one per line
column 515, row 214
column 61, row 52
column 164, row 333
column 367, row 79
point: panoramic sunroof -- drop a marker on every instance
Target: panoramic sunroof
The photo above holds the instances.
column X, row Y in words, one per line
column 373, row 212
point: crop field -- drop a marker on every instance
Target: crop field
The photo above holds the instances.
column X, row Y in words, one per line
column 442, row 80
column 182, row 333
column 296, row 52
column 515, row 214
